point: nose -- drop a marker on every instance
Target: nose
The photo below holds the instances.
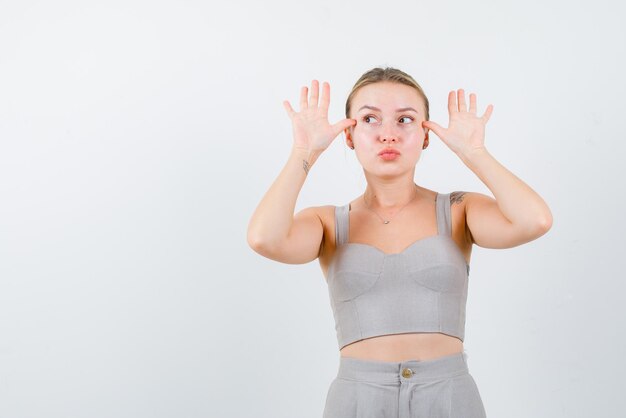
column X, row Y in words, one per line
column 388, row 134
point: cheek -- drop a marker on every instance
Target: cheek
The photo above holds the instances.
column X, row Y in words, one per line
column 414, row 134
column 364, row 129
column 413, row 128
column 363, row 134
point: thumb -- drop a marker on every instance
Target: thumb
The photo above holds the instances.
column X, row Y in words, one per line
column 436, row 128
column 343, row 124
column 288, row 108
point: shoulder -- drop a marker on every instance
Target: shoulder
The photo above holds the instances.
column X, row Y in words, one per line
column 325, row 214
column 463, row 198
column 458, row 202
column 458, row 197
column 461, row 203
column 321, row 211
column 473, row 202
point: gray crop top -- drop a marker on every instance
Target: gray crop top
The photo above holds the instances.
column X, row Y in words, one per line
column 421, row 289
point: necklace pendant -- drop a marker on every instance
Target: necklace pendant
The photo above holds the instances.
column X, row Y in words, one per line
column 385, row 222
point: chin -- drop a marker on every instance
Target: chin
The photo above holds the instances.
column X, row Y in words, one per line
column 387, row 172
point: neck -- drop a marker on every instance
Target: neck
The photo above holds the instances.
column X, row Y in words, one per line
column 390, row 195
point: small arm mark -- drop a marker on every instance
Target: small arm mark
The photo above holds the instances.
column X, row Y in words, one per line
column 456, row 197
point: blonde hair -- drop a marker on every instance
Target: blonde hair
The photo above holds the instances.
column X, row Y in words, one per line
column 377, row 75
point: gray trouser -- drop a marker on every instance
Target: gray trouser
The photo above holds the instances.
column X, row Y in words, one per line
column 436, row 388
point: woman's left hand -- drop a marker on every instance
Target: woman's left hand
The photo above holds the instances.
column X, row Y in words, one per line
column 466, row 131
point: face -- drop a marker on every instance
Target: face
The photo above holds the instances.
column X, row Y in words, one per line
column 388, row 115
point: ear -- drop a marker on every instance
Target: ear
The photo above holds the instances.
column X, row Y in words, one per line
column 348, row 135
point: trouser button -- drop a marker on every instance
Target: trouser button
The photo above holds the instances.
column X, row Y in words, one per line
column 406, row 372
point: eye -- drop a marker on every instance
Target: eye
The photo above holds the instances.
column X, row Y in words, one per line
column 369, row 118
column 408, row 118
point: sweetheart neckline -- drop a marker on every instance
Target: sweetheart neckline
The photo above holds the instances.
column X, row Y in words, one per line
column 391, row 254
column 437, row 196
column 411, row 245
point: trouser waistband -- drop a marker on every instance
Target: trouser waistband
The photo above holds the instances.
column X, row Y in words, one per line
column 395, row 372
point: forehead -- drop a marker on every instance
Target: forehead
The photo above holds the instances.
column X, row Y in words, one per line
column 387, row 96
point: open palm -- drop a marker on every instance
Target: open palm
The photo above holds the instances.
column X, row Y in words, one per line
column 311, row 129
column 466, row 130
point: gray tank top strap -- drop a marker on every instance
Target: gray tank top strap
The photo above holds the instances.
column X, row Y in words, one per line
column 444, row 219
column 342, row 224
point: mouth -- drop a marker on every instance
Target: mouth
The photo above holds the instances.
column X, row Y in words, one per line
column 389, row 151
column 389, row 154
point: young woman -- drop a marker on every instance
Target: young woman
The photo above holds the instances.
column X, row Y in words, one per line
column 396, row 259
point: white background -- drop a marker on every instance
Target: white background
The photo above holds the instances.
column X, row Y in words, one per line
column 137, row 138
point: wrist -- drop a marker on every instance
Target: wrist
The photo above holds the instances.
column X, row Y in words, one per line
column 306, row 156
column 474, row 155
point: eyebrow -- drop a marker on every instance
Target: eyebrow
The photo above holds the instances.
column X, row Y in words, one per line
column 402, row 109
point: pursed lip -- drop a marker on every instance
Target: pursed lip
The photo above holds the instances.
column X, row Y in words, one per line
column 389, row 151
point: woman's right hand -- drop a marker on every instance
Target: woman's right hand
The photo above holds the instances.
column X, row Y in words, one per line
column 311, row 129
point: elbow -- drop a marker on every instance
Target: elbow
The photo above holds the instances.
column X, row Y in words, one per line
column 543, row 224
column 535, row 229
column 255, row 237
column 260, row 245
column 546, row 221
column 255, row 242
column 546, row 224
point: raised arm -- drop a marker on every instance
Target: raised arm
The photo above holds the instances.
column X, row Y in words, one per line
column 274, row 231
column 517, row 214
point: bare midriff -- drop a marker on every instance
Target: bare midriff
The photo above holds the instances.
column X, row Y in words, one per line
column 401, row 347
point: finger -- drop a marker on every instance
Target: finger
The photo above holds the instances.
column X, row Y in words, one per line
column 487, row 113
column 462, row 105
column 315, row 91
column 288, row 108
column 452, row 107
column 325, row 98
column 472, row 107
column 436, row 128
column 304, row 92
column 343, row 124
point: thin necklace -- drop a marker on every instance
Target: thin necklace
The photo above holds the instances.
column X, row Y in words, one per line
column 386, row 221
